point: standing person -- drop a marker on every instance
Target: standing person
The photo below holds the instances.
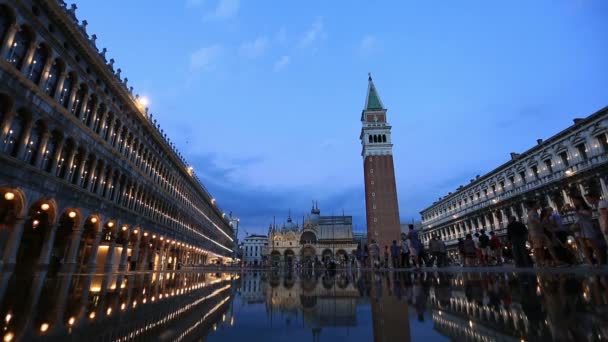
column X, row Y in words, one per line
column 395, row 254
column 477, row 248
column 560, row 231
column 415, row 246
column 366, row 256
column 386, row 255
column 496, row 247
column 359, row 255
column 587, row 236
column 470, row 251
column 602, row 208
column 374, row 254
column 484, row 247
column 537, row 236
column 405, row 252
column 442, row 254
column 461, row 251
column 434, row 250
column 517, row 233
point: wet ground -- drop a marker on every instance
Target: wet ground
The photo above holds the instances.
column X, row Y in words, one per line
column 308, row 306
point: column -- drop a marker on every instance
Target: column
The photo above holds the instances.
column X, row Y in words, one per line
column 73, row 95
column 42, row 150
column 496, row 224
column 110, row 257
column 94, row 249
column 582, row 190
column 524, row 211
column 45, row 71
column 8, row 40
column 56, row 156
column 27, row 59
column 70, row 161
column 122, row 266
column 83, row 107
column 90, row 177
column 70, row 263
column 60, row 86
column 504, row 217
column 79, row 169
column 144, row 259
column 101, row 178
column 567, row 199
column 12, row 244
column 551, row 203
column 27, row 130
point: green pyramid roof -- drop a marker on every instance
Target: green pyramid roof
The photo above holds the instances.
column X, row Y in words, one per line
column 372, row 102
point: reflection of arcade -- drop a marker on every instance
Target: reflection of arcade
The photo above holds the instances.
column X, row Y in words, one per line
column 527, row 307
column 113, row 307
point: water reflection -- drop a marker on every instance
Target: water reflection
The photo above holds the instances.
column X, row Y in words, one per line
column 112, row 307
column 318, row 306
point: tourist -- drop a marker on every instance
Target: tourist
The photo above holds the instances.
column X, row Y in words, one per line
column 434, row 249
column 366, row 263
column 416, row 248
column 405, row 251
column 496, row 247
column 386, row 257
column 484, row 247
column 587, row 235
column 517, row 234
column 442, row 254
column 560, row 230
column 602, row 208
column 395, row 254
column 477, row 248
column 461, row 250
column 538, row 238
column 374, row 254
column 470, row 251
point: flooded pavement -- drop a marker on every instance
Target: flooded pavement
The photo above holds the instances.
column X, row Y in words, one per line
column 320, row 306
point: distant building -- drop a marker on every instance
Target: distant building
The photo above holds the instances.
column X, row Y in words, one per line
column 572, row 162
column 252, row 249
column 319, row 238
column 381, row 204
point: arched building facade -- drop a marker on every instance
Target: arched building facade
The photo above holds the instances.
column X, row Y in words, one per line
column 321, row 238
column 88, row 180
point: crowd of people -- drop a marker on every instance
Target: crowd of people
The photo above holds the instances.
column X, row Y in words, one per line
column 545, row 240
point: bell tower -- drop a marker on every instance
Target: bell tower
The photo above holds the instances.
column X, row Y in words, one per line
column 382, row 207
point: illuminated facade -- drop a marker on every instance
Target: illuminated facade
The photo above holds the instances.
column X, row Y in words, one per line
column 573, row 161
column 319, row 238
column 88, row 180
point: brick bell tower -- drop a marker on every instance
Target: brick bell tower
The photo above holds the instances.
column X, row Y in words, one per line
column 382, row 207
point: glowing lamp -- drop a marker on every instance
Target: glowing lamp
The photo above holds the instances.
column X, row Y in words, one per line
column 93, row 219
column 45, row 206
column 44, row 327
column 9, row 196
column 110, row 224
column 72, row 214
column 71, row 321
column 124, row 228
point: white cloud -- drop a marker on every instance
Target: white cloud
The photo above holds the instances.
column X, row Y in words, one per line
column 314, row 34
column 206, row 58
column 254, row 48
column 368, row 44
column 281, row 63
column 225, row 9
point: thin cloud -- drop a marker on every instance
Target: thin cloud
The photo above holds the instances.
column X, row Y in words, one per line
column 225, row 9
column 368, row 44
column 281, row 63
column 314, row 34
column 205, row 58
column 254, row 48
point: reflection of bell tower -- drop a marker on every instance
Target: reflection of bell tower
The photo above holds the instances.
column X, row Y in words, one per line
column 381, row 203
column 389, row 314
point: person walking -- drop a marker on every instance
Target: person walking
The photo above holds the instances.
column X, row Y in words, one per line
column 470, row 251
column 374, row 254
column 587, row 235
column 359, row 256
column 395, row 254
column 538, row 238
column 366, row 263
column 442, row 254
column 461, row 251
column 416, row 248
column 496, row 247
column 434, row 250
column 386, row 257
column 405, row 251
column 484, row 247
column 517, row 234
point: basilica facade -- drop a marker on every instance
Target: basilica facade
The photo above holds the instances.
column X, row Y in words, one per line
column 320, row 238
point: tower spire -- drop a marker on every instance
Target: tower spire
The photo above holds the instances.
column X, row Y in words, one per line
column 372, row 100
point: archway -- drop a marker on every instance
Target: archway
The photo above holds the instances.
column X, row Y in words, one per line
column 12, row 204
column 307, row 257
column 64, row 235
column 36, row 231
column 327, row 255
column 342, row 256
column 308, row 237
column 289, row 257
column 88, row 243
column 275, row 258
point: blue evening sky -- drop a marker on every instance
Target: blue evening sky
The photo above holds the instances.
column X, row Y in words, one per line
column 264, row 97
